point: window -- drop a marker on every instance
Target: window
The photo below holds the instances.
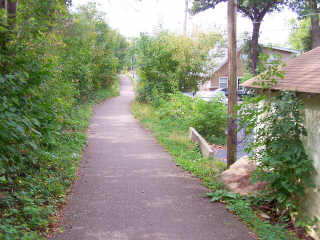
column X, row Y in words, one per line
column 223, row 82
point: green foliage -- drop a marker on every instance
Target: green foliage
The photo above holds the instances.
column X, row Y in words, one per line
column 255, row 10
column 308, row 9
column 157, row 67
column 51, row 61
column 242, row 207
column 208, row 118
column 283, row 162
column 264, row 230
column 249, row 8
column 304, row 7
column 28, row 202
column 167, row 63
column 266, row 61
column 276, row 121
column 300, row 35
column 269, row 69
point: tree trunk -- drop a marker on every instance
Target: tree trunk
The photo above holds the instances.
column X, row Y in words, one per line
column 255, row 46
column 232, row 84
column 2, row 4
column 11, row 6
column 315, row 28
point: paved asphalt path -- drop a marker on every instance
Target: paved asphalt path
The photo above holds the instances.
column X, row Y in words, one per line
column 130, row 189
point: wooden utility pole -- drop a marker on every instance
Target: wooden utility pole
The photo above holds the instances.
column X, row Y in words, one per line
column 185, row 17
column 232, row 84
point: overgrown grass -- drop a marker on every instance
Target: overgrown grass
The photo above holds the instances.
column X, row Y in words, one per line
column 27, row 213
column 172, row 133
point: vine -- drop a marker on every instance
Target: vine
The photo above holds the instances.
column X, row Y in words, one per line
column 277, row 123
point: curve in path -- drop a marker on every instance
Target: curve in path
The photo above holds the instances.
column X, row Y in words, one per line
column 130, row 189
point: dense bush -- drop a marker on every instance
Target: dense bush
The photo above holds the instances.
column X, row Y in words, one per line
column 167, row 63
column 209, row 118
column 50, row 60
column 277, row 125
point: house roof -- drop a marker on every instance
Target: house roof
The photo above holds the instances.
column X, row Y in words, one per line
column 225, row 60
column 281, row 49
column 302, row 74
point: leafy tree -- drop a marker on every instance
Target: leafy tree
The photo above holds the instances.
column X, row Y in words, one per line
column 168, row 62
column 120, row 50
column 306, row 9
column 11, row 7
column 50, row 61
column 300, row 36
column 253, row 9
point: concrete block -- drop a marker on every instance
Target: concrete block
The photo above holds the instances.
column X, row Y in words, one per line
column 204, row 146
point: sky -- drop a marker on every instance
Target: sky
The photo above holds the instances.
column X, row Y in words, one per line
column 130, row 17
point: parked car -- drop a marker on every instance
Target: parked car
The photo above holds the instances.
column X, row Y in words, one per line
column 240, row 92
column 209, row 95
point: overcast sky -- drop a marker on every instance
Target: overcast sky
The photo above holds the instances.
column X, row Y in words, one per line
column 131, row 17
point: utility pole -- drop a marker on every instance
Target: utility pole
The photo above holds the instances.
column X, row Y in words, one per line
column 232, row 84
column 185, row 17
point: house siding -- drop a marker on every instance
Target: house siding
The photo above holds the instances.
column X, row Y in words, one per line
column 312, row 143
column 223, row 71
column 302, row 77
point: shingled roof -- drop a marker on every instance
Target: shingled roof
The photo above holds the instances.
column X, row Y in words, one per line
column 302, row 74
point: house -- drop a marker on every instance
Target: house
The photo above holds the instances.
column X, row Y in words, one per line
column 220, row 76
column 302, row 75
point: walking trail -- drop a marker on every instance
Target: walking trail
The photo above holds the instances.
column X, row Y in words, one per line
column 130, row 189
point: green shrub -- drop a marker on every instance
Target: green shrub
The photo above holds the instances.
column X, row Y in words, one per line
column 50, row 62
column 208, row 118
column 157, row 67
column 277, row 125
column 168, row 63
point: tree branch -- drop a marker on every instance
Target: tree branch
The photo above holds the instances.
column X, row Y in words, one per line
column 202, row 5
column 245, row 11
column 266, row 9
